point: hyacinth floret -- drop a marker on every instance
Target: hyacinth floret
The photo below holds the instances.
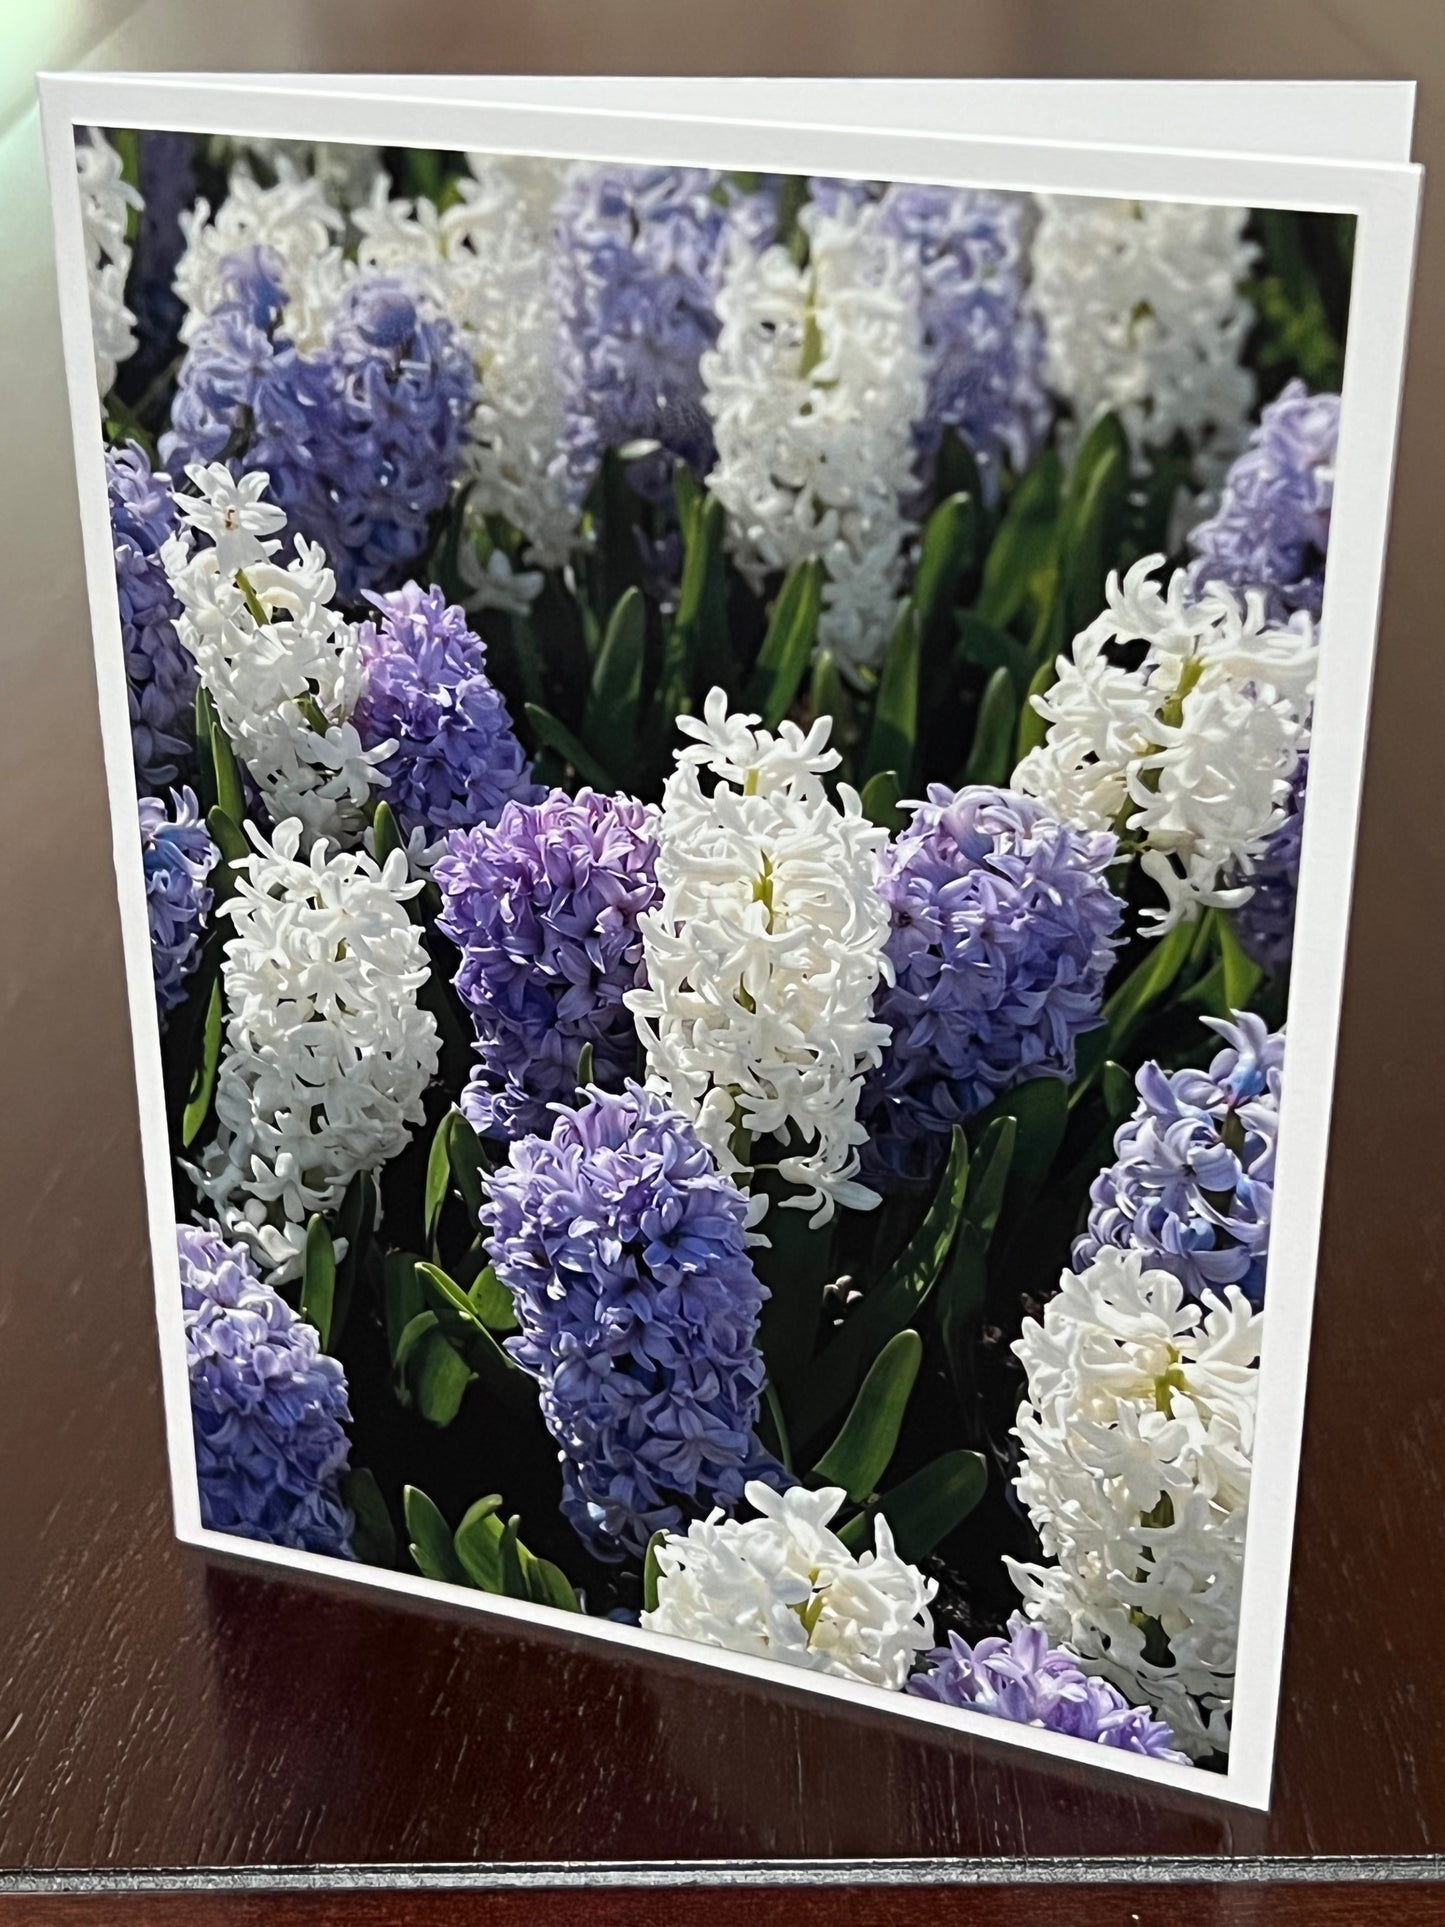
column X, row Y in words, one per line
column 1144, row 318
column 1186, row 751
column 454, row 758
column 1271, row 530
column 626, row 1254
column 640, row 253
column 817, row 378
column 327, row 1051
column 107, row 200
column 545, row 908
column 1137, row 1434
column 1023, row 1679
column 267, row 1405
column 983, row 343
column 764, row 953
column 177, row 857
column 160, row 674
column 1002, row 932
column 784, row 1587
column 1192, row 1182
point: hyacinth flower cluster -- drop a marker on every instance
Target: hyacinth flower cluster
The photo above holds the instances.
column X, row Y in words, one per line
column 159, row 672
column 546, row 910
column 764, row 953
column 1187, row 751
column 640, row 257
column 107, row 202
column 817, row 378
column 327, row 1051
column 1023, row 1679
column 1192, row 1182
column 784, row 1587
column 626, row 1254
column 360, row 435
column 983, row 343
column 1137, row 1433
column 177, row 856
column 452, row 758
column 1144, row 317
column 1265, row 924
column 1271, row 530
column 1002, row 932
column 282, row 665
column 268, row 1407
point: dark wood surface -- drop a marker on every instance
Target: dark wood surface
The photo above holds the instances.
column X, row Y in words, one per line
column 157, row 1713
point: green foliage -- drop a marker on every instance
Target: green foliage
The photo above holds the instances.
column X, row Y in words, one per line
column 318, row 1280
column 859, row 1456
column 788, row 645
column 895, row 712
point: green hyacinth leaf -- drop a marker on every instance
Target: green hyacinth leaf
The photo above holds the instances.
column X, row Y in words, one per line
column 615, row 695
column 880, row 798
column 478, row 1543
column 514, row 1577
column 386, row 833
column 203, row 1084
column 935, row 1501
column 988, row 1178
column 991, row 758
column 895, row 713
column 1143, row 989
column 431, row 1539
column 651, row 1573
column 985, row 647
column 467, row 1160
column 1242, row 974
column 890, row 1306
column 859, row 1456
column 1023, row 550
column 492, row 1304
column 949, row 548
column 438, row 1178
column 549, row 1585
column 230, row 840
column 318, row 1279
column 1040, row 1110
column 402, row 1296
column 1033, row 729
column 373, row 1538
column 1118, row 1090
column 788, row 645
column 558, row 737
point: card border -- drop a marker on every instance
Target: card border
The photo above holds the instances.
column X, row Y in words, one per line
column 1384, row 198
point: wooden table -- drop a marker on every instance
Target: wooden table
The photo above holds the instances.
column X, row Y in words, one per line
column 157, row 1714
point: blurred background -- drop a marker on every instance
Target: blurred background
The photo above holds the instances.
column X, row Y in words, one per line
column 104, row 1650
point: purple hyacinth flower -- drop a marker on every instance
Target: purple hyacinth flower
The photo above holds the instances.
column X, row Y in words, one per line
column 167, row 189
column 1192, row 1182
column 267, row 1405
column 625, row 1252
column 640, row 255
column 1003, row 933
column 1271, row 530
column 177, row 856
column 1265, row 923
column 544, row 908
column 160, row 674
column 983, row 344
column 1025, row 1680
column 457, row 761
column 361, row 440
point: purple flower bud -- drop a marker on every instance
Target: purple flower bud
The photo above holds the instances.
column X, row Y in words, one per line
column 160, row 675
column 178, row 856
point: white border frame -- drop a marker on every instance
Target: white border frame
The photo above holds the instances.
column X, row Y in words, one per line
column 1384, row 199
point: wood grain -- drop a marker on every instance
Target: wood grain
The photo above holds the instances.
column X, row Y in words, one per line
column 155, row 1712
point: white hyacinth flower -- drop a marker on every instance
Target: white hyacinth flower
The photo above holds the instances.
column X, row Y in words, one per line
column 813, row 388
column 784, row 1587
column 486, row 262
column 1144, row 317
column 295, row 221
column 281, row 664
column 764, row 953
column 327, row 1051
column 344, row 170
column 1189, row 753
column 1137, row 1433
column 106, row 200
